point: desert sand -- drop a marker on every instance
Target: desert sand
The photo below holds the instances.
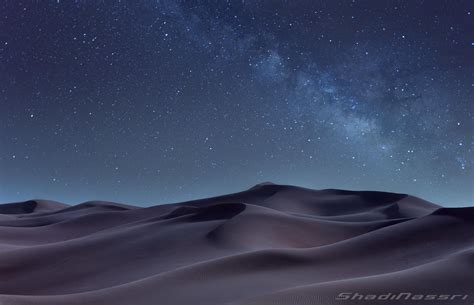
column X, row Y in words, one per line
column 271, row 244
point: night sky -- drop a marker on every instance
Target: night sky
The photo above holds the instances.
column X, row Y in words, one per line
column 150, row 102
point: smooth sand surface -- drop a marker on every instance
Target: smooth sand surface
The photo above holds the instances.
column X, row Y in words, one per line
column 271, row 244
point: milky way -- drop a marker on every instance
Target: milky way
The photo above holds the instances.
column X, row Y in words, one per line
column 151, row 102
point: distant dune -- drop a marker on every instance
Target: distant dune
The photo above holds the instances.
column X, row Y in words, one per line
column 272, row 244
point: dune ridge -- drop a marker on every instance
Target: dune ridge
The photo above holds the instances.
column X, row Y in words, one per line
column 270, row 244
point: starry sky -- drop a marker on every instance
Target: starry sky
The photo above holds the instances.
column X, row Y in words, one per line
column 150, row 102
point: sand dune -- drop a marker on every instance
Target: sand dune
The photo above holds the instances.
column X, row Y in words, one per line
column 271, row 244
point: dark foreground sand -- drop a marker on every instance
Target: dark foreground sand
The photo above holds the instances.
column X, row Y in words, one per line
column 272, row 244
